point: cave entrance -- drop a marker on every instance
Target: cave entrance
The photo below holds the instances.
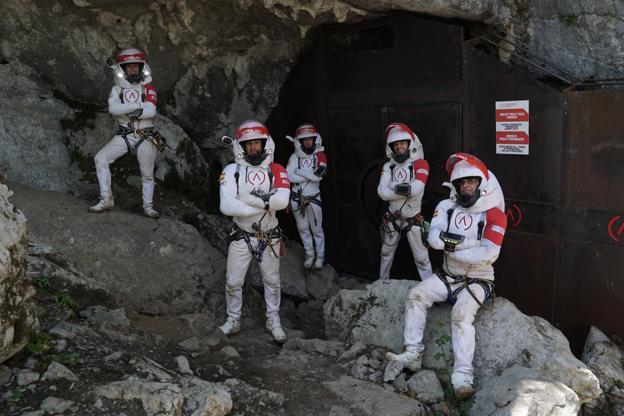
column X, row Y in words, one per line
column 565, row 240
column 352, row 82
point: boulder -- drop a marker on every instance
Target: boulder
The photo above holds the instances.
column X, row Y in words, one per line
column 18, row 319
column 156, row 398
column 606, row 360
column 524, row 391
column 165, row 265
column 375, row 316
column 373, row 400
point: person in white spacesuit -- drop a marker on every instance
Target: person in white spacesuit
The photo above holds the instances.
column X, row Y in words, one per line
column 469, row 227
column 133, row 101
column 251, row 190
column 306, row 168
column 402, row 185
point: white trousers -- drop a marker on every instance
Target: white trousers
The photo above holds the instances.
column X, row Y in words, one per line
column 238, row 260
column 389, row 244
column 310, row 226
column 146, row 155
column 420, row 298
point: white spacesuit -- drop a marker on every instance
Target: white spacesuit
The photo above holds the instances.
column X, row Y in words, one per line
column 251, row 190
column 306, row 168
column 133, row 101
column 402, row 184
column 470, row 227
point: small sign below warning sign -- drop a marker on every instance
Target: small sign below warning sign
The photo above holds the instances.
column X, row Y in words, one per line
column 512, row 127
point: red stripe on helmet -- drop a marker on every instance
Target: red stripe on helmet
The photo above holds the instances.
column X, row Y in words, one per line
column 473, row 160
column 258, row 129
column 400, row 126
column 120, row 59
column 306, row 130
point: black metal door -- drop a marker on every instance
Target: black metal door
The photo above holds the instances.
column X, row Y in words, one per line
column 357, row 149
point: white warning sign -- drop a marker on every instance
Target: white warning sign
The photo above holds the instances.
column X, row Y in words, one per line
column 512, row 127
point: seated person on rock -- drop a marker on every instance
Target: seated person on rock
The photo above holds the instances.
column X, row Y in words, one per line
column 469, row 227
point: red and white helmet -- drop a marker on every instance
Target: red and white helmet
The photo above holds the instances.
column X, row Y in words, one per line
column 396, row 132
column 253, row 130
column 306, row 131
column 488, row 194
column 131, row 56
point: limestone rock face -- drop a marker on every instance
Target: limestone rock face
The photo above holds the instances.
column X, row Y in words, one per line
column 153, row 266
column 521, row 391
column 216, row 64
column 31, row 133
column 17, row 313
column 606, row 360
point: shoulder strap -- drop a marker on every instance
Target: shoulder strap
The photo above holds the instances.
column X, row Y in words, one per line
column 236, row 176
column 449, row 214
column 392, row 171
column 270, row 175
column 411, row 169
column 480, row 226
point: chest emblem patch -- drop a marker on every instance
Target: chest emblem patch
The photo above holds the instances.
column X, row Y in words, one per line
column 131, row 96
column 400, row 175
column 256, row 177
column 463, row 221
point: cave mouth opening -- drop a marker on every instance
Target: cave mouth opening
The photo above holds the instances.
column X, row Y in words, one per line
column 351, row 81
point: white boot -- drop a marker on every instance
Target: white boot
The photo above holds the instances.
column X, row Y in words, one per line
column 150, row 212
column 104, row 204
column 309, row 261
column 463, row 392
column 410, row 359
column 318, row 264
column 230, row 327
column 274, row 327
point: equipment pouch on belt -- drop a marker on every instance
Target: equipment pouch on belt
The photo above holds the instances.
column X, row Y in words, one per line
column 389, row 223
column 157, row 140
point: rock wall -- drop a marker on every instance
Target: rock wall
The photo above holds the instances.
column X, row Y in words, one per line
column 218, row 62
column 17, row 313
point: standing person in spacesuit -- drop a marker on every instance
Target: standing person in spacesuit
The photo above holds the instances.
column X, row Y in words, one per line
column 133, row 101
column 306, row 168
column 251, row 190
column 402, row 185
column 469, row 227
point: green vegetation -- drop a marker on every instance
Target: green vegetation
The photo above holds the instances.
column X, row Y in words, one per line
column 63, row 300
column 568, row 19
column 42, row 346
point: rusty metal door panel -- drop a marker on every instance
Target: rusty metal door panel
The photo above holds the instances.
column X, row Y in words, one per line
column 591, row 291
column 596, row 149
column 524, row 272
column 532, row 178
column 400, row 59
column 595, row 226
column 531, row 217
